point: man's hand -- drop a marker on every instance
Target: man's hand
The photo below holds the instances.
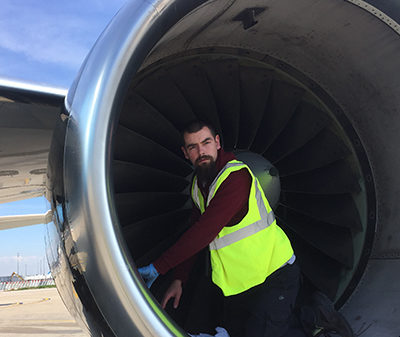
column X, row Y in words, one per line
column 174, row 291
column 149, row 274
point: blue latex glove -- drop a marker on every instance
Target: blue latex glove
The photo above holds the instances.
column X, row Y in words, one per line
column 221, row 332
column 149, row 274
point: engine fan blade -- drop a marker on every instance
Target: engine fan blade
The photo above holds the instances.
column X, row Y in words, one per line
column 134, row 177
column 336, row 209
column 324, row 149
column 306, row 122
column 139, row 149
column 192, row 81
column 255, row 84
column 169, row 100
column 335, row 178
column 282, row 102
column 139, row 116
column 133, row 207
column 150, row 234
column 224, row 80
column 331, row 240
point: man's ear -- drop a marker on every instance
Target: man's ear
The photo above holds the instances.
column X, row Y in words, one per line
column 218, row 142
column 184, row 152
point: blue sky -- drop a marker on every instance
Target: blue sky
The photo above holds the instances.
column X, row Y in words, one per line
column 43, row 42
column 27, row 241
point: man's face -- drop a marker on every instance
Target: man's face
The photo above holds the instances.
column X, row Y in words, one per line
column 201, row 148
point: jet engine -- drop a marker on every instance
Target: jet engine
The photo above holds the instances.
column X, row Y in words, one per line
column 306, row 92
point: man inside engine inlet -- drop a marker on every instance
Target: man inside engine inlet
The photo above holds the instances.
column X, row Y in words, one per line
column 234, row 252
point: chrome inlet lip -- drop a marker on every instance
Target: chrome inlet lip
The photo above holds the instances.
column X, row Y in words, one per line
column 104, row 260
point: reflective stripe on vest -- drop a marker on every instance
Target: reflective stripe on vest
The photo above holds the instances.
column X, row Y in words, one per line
column 213, row 185
column 197, row 196
column 242, row 233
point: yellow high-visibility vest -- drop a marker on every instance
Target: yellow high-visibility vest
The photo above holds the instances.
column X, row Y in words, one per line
column 244, row 255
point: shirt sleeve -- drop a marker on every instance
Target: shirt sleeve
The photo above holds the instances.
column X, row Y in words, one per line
column 182, row 270
column 229, row 201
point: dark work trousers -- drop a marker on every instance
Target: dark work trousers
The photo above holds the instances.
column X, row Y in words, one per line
column 262, row 311
column 267, row 309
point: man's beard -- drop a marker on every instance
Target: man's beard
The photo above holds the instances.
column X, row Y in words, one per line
column 206, row 172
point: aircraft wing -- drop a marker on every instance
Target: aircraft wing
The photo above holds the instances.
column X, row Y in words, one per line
column 27, row 117
column 28, row 114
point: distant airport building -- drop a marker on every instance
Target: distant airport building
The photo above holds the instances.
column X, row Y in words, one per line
column 17, row 282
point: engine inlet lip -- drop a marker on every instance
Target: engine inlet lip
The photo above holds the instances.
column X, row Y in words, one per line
column 92, row 104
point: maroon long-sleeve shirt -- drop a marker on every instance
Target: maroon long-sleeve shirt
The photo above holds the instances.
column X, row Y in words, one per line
column 227, row 208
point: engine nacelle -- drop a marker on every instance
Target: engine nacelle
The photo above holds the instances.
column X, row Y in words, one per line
column 310, row 86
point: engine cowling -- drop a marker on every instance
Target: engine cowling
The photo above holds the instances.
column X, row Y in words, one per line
column 307, row 86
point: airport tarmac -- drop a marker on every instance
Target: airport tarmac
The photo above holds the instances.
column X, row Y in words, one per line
column 35, row 312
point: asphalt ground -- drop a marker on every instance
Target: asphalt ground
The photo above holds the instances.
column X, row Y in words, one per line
column 35, row 312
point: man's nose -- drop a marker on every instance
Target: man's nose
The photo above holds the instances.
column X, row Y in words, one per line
column 201, row 150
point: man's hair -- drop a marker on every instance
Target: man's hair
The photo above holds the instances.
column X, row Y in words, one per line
column 197, row 125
